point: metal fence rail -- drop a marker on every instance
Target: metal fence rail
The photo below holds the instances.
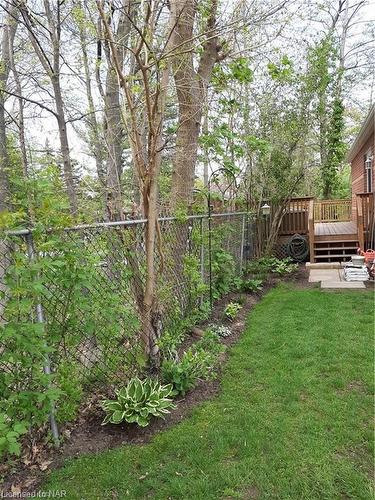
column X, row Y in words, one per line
column 84, row 284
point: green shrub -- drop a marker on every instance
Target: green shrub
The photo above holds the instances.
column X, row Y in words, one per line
column 138, row 402
column 254, row 285
column 223, row 270
column 183, row 374
column 232, row 310
column 197, row 363
column 285, row 266
column 9, row 435
column 271, row 264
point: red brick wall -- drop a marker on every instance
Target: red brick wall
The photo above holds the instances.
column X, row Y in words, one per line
column 358, row 172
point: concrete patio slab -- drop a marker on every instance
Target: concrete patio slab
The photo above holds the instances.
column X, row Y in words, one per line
column 317, row 275
column 324, row 265
column 342, row 284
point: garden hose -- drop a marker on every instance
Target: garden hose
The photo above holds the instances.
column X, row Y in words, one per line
column 297, row 248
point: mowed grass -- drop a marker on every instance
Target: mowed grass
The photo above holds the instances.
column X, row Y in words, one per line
column 293, row 419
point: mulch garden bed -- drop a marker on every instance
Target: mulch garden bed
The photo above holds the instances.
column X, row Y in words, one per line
column 87, row 435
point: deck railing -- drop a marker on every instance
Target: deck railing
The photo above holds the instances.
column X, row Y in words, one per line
column 332, row 210
column 295, row 217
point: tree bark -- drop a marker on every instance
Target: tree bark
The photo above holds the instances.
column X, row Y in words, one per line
column 64, row 146
column 190, row 87
column 114, row 131
column 9, row 31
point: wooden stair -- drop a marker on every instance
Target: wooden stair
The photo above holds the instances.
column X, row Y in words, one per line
column 335, row 250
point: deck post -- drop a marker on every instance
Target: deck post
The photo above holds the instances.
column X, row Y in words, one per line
column 311, row 229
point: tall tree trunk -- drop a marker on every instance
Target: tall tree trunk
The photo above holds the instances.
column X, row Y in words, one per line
column 114, row 133
column 9, row 31
column 64, row 146
column 190, row 86
column 154, row 92
column 114, row 137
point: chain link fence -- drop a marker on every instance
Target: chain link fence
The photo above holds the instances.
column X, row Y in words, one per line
column 70, row 302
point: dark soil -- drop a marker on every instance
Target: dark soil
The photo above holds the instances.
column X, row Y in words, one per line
column 89, row 436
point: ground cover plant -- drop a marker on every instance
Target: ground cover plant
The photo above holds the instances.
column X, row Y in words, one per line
column 292, row 420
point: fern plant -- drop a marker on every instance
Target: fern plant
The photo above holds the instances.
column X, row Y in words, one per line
column 138, row 402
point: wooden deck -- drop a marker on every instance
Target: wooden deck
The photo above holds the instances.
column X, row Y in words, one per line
column 332, row 236
column 334, row 228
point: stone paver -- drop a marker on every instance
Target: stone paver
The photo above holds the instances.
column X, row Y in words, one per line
column 324, row 265
column 317, row 275
column 342, row 284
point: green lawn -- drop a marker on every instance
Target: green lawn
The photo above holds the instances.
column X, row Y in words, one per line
column 293, row 418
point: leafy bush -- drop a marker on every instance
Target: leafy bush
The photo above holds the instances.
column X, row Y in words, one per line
column 196, row 363
column 271, row 264
column 183, row 374
column 223, row 270
column 232, row 310
column 9, row 435
column 285, row 266
column 253, row 285
column 138, row 402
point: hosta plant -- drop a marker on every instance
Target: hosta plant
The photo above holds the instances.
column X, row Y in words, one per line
column 232, row 310
column 138, row 402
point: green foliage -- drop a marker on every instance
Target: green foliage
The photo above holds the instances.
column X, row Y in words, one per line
column 192, row 273
column 231, row 310
column 138, row 402
column 198, row 362
column 271, row 264
column 183, row 374
column 10, row 434
column 336, row 150
column 283, row 71
column 223, row 269
column 324, row 79
column 238, row 70
column 70, row 383
column 284, row 266
column 222, row 145
column 253, row 285
column 26, row 390
column 241, row 71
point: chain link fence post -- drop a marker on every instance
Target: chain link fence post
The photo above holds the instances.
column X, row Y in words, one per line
column 40, row 319
column 242, row 242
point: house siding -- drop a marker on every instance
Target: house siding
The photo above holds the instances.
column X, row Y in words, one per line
column 358, row 172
